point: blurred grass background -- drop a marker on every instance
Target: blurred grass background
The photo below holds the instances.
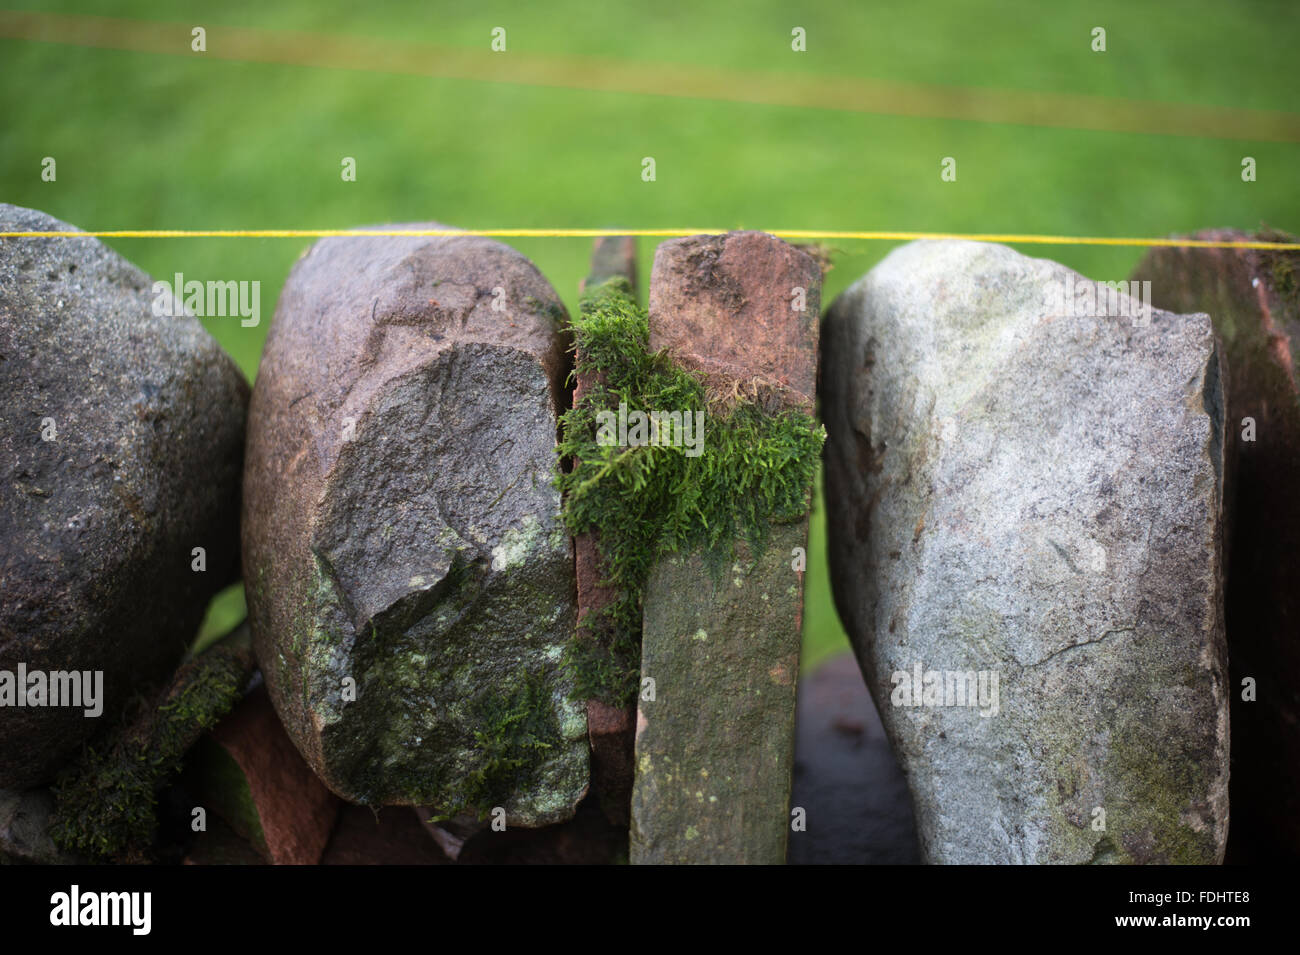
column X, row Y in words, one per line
column 154, row 141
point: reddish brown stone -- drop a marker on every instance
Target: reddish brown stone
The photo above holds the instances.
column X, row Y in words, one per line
column 393, row 835
column 609, row 728
column 294, row 811
column 714, row 749
column 722, row 304
column 407, row 570
column 1253, row 297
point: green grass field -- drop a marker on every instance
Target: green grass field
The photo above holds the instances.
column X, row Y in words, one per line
column 153, row 140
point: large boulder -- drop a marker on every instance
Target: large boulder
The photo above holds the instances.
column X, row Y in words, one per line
column 1024, row 488
column 121, row 436
column 410, row 585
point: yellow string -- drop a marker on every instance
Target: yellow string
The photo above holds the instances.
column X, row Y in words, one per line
column 649, row 233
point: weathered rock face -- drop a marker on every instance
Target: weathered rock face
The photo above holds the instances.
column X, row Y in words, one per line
column 401, row 534
column 121, row 437
column 1031, row 497
column 1253, row 297
column 740, row 306
column 715, row 746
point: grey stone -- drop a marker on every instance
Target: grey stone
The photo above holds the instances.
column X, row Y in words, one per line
column 98, row 525
column 25, row 830
column 1024, row 491
column 401, row 530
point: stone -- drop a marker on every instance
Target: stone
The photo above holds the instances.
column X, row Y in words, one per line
column 1024, row 496
column 137, row 759
column 390, row 836
column 857, row 808
column 609, row 728
column 121, row 441
column 25, row 830
column 410, row 584
column 612, row 256
column 715, row 745
column 1253, row 297
column 251, row 775
column 740, row 307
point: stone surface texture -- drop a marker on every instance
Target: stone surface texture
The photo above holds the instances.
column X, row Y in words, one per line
column 715, row 747
column 145, row 420
column 255, row 778
column 401, row 529
column 1034, row 496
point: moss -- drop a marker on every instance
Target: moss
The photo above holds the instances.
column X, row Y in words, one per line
column 645, row 502
column 106, row 802
column 442, row 735
column 520, row 729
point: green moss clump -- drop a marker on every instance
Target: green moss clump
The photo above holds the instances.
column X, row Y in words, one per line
column 645, row 502
column 106, row 803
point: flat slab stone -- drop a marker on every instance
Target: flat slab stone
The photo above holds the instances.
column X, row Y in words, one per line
column 1253, row 297
column 609, row 728
column 1027, row 489
column 253, row 776
column 715, row 747
column 402, row 537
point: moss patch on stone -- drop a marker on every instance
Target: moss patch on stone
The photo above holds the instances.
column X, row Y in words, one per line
column 106, row 802
column 520, row 728
column 645, row 502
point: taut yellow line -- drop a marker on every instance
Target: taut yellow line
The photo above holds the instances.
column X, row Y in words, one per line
column 804, row 234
